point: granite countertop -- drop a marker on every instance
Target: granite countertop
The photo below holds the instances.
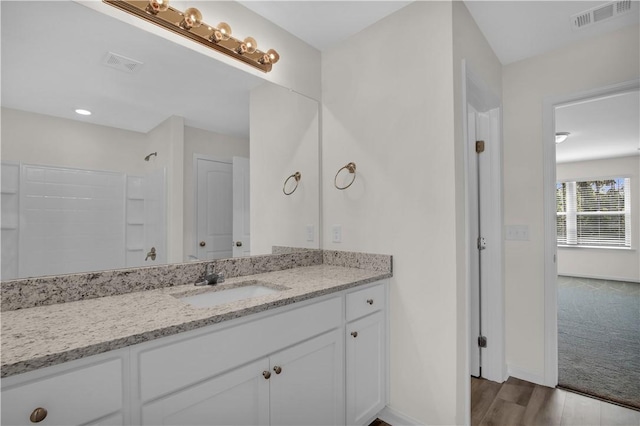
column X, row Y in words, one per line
column 42, row 336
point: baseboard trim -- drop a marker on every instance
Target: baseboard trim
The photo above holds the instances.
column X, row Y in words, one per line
column 396, row 418
column 522, row 374
column 598, row 277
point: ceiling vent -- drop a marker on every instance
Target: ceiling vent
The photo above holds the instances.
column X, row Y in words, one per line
column 601, row 13
column 121, row 63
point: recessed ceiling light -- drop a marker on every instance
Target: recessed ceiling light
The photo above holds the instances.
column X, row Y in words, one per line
column 562, row 136
column 83, row 112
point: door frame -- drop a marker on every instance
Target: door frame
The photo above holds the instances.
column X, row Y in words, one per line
column 475, row 91
column 549, row 206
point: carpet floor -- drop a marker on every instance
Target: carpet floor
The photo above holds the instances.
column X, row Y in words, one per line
column 599, row 338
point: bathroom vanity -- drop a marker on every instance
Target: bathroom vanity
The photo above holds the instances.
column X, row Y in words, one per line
column 314, row 351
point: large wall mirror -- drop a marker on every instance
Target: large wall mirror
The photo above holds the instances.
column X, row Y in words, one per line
column 182, row 158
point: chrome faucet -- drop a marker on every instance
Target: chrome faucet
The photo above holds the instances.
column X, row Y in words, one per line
column 211, row 277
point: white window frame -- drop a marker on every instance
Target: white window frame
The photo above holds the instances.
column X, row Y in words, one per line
column 571, row 215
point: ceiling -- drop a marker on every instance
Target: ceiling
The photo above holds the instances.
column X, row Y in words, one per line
column 605, row 127
column 322, row 24
column 521, row 29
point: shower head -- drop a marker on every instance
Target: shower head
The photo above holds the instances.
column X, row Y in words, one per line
column 150, row 155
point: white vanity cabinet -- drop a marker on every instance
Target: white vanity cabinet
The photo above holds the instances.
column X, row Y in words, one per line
column 90, row 391
column 366, row 350
column 283, row 368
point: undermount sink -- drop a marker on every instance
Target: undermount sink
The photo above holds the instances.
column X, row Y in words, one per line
column 228, row 295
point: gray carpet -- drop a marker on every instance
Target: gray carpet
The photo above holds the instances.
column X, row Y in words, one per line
column 599, row 338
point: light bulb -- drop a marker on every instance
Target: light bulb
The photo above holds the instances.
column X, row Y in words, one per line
column 273, row 56
column 225, row 30
column 192, row 18
column 156, row 6
column 251, row 43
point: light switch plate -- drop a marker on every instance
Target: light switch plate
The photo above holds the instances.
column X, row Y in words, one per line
column 517, row 233
column 310, row 232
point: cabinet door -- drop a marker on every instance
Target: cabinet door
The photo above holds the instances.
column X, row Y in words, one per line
column 365, row 368
column 238, row 397
column 307, row 382
column 72, row 397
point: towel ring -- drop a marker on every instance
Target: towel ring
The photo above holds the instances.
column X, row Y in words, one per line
column 297, row 176
column 351, row 168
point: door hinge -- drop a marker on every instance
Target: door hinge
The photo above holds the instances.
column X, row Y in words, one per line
column 482, row 341
column 479, row 146
column 482, row 243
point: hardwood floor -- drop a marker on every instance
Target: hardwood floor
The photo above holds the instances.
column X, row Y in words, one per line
column 517, row 402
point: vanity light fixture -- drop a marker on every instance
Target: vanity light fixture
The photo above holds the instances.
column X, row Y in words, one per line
column 561, row 137
column 83, row 111
column 189, row 24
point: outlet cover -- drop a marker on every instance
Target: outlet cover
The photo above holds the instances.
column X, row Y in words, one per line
column 336, row 233
column 311, row 232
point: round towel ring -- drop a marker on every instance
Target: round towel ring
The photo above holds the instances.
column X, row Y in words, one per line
column 351, row 168
column 297, row 176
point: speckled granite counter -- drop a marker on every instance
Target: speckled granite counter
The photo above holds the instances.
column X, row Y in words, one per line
column 42, row 336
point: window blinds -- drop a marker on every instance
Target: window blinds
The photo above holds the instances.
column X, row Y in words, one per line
column 594, row 213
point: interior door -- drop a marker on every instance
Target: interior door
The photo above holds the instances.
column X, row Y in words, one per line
column 241, row 231
column 214, row 209
column 474, row 232
column 480, row 211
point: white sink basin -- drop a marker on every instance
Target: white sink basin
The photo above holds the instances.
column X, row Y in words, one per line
column 220, row 297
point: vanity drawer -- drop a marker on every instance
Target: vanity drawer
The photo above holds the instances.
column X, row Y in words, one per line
column 366, row 301
column 77, row 396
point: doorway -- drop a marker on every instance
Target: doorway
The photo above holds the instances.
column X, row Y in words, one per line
column 221, row 207
column 483, row 165
column 551, row 214
column 598, row 268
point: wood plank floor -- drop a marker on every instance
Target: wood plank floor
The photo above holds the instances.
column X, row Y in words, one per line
column 516, row 402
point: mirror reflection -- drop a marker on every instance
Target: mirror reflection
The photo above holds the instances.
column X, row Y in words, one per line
column 168, row 167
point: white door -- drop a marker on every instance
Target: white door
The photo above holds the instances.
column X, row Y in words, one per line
column 241, row 234
column 365, row 368
column 479, row 198
column 239, row 397
column 214, row 209
column 307, row 384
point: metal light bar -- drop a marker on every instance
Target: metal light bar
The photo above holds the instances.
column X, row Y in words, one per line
column 171, row 19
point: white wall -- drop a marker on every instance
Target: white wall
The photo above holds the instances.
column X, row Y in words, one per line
column 597, row 62
column 469, row 45
column 284, row 140
column 42, row 139
column 203, row 142
column 167, row 139
column 618, row 264
column 389, row 109
column 299, row 65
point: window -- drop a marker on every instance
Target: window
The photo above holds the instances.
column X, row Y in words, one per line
column 594, row 213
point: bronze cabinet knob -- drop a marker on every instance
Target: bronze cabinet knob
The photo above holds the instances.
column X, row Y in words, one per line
column 202, row 244
column 38, row 415
column 354, row 334
column 370, row 301
column 239, row 244
column 266, row 374
column 277, row 369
